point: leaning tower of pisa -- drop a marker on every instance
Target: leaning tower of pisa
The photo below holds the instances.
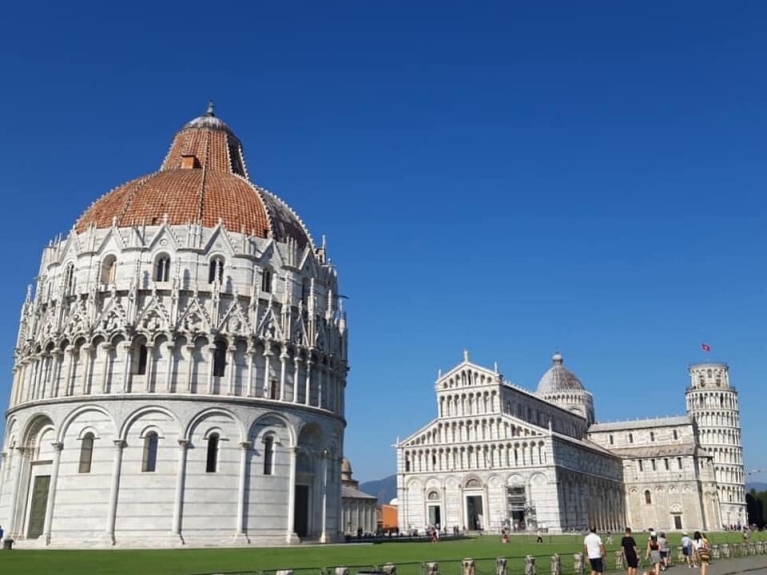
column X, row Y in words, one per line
column 713, row 403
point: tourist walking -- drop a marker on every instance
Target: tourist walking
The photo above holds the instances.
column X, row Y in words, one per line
column 663, row 543
column 595, row 551
column 689, row 558
column 702, row 551
column 630, row 552
column 653, row 552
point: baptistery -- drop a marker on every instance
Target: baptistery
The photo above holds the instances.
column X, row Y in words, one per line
column 180, row 368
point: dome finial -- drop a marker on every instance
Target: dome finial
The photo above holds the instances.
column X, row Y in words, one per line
column 211, row 111
column 557, row 358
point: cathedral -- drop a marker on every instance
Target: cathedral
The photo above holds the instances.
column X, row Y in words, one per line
column 498, row 456
column 180, row 370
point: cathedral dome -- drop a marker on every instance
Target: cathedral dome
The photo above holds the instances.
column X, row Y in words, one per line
column 204, row 181
column 558, row 378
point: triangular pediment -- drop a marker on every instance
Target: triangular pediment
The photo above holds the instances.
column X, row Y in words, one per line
column 235, row 321
column 300, row 334
column 308, row 263
column 164, row 238
column 468, row 374
column 112, row 242
column 71, row 248
column 219, row 242
column 269, row 326
column 113, row 317
column 271, row 254
column 153, row 317
column 194, row 319
column 418, row 438
column 77, row 319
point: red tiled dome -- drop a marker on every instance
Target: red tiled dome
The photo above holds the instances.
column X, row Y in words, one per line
column 203, row 180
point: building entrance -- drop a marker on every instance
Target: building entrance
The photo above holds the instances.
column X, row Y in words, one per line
column 474, row 512
column 37, row 508
column 301, row 511
column 435, row 515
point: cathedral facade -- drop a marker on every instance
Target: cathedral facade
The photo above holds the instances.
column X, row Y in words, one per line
column 180, row 370
column 499, row 456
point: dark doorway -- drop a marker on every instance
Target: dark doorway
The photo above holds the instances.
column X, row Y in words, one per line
column 474, row 512
column 301, row 511
column 677, row 522
column 435, row 515
column 37, row 509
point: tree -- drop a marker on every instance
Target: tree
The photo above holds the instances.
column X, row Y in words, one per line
column 755, row 505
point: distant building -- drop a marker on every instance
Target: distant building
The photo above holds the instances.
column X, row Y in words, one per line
column 500, row 456
column 358, row 508
column 387, row 516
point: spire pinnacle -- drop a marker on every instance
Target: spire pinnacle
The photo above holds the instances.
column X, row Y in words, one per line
column 211, row 111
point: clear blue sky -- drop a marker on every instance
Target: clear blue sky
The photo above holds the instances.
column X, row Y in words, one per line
column 511, row 178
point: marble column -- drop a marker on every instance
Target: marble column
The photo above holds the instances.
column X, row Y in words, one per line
column 115, row 489
column 290, row 536
column 189, row 358
column 57, row 447
column 169, row 347
column 283, row 371
column 11, row 528
column 243, row 485
column 107, row 349
column 324, row 534
column 308, row 381
column 211, row 348
column 178, row 503
column 296, row 369
column 231, row 370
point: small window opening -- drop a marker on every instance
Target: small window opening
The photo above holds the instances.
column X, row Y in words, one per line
column 641, row 467
column 211, row 463
column 266, row 281
column 676, row 434
column 162, row 269
column 69, row 278
column 273, row 390
column 665, row 464
column 219, row 359
column 612, row 439
column 109, row 270
column 216, row 270
column 151, row 443
column 631, row 438
column 143, row 356
column 652, row 436
column 653, row 465
column 86, row 454
column 679, row 462
column 648, row 497
column 268, row 455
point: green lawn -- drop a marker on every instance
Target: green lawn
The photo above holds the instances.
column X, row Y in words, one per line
column 309, row 559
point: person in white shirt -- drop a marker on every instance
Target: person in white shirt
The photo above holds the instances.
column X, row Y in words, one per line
column 687, row 550
column 595, row 551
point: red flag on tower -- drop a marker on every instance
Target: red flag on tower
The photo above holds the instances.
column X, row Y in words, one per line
column 705, row 347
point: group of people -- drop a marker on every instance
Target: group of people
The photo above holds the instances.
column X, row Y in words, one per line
column 696, row 551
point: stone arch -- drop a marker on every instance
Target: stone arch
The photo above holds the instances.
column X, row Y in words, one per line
column 140, row 412
column 35, row 425
column 75, row 413
column 472, row 481
column 200, row 417
column 274, row 419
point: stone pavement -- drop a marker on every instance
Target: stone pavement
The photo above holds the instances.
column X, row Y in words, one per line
column 752, row 564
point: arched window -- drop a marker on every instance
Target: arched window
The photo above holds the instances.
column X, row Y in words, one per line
column 151, row 443
column 305, row 289
column 648, row 497
column 216, row 270
column 273, row 389
column 69, row 278
column 142, row 355
column 211, row 464
column 268, row 455
column 109, row 270
column 162, row 268
column 266, row 281
column 219, row 359
column 86, row 453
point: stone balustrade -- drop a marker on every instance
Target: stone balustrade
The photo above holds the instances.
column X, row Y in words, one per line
column 530, row 565
column 578, row 563
column 556, row 564
column 501, row 566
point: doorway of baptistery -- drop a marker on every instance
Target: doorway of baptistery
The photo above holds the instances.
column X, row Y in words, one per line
column 40, row 486
column 301, row 511
column 435, row 516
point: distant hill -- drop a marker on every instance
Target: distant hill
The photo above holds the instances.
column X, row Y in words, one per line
column 385, row 489
column 749, row 486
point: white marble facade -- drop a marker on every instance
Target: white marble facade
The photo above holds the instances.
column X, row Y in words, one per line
column 498, row 456
column 179, row 382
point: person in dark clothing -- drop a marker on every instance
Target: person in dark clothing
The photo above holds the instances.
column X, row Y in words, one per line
column 630, row 552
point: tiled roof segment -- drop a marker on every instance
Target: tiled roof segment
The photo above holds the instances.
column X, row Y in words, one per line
column 203, row 180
